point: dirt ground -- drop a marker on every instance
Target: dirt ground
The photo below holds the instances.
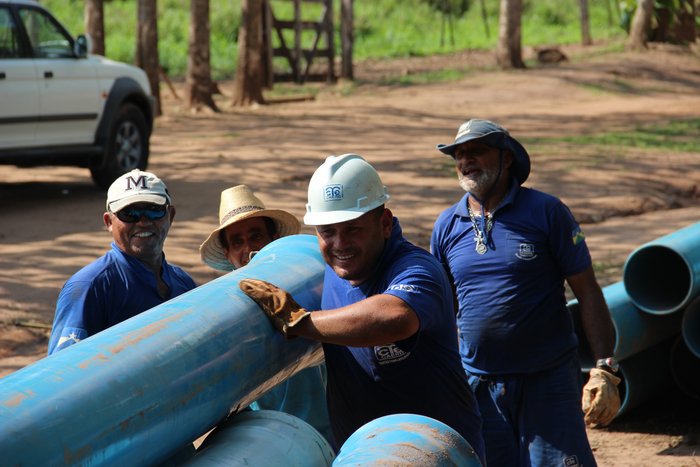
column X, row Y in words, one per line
column 51, row 217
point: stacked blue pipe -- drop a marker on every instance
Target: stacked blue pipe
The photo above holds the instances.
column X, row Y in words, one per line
column 663, row 276
column 635, row 330
column 658, row 299
column 691, row 327
column 138, row 392
column 406, row 440
column 685, row 369
column 264, row 437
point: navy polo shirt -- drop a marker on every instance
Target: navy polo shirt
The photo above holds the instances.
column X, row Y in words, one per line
column 420, row 375
column 512, row 314
column 108, row 291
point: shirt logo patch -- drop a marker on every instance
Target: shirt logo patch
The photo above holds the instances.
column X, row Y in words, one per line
column 403, row 288
column 332, row 192
column 526, row 251
column 571, row 461
column 577, row 235
column 70, row 336
column 386, row 354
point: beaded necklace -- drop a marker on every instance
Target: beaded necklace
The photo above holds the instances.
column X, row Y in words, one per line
column 481, row 235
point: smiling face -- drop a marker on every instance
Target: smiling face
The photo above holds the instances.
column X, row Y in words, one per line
column 477, row 165
column 143, row 239
column 246, row 236
column 353, row 248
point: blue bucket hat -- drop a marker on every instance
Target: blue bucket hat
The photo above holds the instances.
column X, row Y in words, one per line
column 495, row 136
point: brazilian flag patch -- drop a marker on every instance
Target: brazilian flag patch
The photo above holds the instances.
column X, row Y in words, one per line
column 577, row 235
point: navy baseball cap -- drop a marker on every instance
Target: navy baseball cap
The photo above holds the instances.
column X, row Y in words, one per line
column 495, row 136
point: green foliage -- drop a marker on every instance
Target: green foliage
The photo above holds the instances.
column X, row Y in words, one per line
column 173, row 31
column 383, row 28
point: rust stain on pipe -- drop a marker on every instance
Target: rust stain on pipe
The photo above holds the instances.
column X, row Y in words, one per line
column 134, row 338
column 16, row 400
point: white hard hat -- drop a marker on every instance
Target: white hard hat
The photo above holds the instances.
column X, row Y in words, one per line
column 342, row 189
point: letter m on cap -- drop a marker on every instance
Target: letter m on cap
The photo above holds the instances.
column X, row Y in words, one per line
column 139, row 183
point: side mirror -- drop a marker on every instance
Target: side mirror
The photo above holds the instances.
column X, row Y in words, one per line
column 82, row 46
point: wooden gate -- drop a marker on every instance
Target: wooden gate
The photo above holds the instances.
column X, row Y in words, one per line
column 309, row 40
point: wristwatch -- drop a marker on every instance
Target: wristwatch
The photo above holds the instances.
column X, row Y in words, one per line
column 608, row 364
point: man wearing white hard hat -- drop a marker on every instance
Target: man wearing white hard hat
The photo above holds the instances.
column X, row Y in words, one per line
column 387, row 320
column 245, row 227
column 133, row 276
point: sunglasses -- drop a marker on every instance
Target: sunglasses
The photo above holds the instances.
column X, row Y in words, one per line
column 132, row 215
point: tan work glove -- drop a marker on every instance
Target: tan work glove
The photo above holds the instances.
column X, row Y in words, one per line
column 601, row 399
column 277, row 304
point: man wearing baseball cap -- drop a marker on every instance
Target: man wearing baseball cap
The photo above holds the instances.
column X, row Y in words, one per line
column 245, row 227
column 509, row 250
column 133, row 276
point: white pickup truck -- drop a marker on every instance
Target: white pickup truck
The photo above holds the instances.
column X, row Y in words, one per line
column 60, row 105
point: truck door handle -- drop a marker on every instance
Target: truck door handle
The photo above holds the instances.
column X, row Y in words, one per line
column 48, row 74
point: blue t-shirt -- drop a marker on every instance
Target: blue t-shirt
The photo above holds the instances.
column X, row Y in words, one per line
column 512, row 314
column 420, row 375
column 108, row 291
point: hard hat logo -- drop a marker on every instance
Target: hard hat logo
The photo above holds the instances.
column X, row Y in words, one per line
column 333, row 192
column 342, row 189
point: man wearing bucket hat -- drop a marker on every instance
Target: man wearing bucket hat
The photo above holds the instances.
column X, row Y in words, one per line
column 133, row 276
column 245, row 227
column 509, row 250
column 387, row 319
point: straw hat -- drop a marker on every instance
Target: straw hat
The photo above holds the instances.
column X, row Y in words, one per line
column 237, row 204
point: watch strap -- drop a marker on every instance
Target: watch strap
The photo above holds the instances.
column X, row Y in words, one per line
column 608, row 364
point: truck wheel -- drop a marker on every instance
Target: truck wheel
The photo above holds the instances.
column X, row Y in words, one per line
column 127, row 147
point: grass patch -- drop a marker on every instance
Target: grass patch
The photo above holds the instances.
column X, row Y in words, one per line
column 676, row 135
column 428, row 77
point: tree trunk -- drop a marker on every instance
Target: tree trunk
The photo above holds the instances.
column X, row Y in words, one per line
column 346, row 38
column 686, row 29
column 147, row 47
column 585, row 24
column 641, row 24
column 198, row 81
column 509, row 53
column 95, row 25
column 249, row 81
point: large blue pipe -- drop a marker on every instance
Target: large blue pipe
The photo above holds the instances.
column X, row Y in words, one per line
column 635, row 330
column 685, row 369
column 663, row 276
column 690, row 328
column 262, row 438
column 136, row 393
column 406, row 440
column 644, row 375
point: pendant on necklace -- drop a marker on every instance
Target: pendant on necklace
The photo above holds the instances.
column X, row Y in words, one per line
column 480, row 247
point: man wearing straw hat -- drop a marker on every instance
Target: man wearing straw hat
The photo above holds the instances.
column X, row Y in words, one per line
column 245, row 227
